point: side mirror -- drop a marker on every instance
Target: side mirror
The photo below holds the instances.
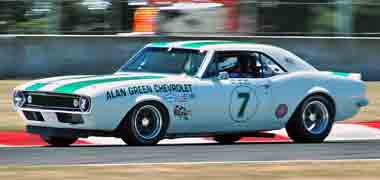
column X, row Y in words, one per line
column 223, row 75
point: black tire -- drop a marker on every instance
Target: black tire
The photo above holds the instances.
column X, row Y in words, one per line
column 304, row 116
column 59, row 141
column 226, row 139
column 132, row 129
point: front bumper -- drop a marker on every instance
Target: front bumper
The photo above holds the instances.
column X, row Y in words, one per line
column 68, row 132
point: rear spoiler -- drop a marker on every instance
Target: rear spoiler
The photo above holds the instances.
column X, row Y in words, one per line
column 355, row 76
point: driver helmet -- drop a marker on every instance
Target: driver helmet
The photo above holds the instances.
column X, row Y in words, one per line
column 227, row 64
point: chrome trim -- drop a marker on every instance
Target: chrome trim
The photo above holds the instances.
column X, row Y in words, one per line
column 23, row 99
column 41, row 108
column 41, row 93
column 157, row 118
column 55, row 111
column 50, row 107
column 315, row 121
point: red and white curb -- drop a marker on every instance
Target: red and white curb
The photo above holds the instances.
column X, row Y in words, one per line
column 340, row 132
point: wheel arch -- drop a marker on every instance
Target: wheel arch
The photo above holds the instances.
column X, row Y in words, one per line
column 316, row 92
column 148, row 99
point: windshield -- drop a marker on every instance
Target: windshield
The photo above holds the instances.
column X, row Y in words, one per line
column 163, row 60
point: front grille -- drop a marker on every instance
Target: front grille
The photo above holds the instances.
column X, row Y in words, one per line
column 51, row 101
column 33, row 116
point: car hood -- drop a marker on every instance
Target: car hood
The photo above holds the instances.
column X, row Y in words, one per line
column 87, row 84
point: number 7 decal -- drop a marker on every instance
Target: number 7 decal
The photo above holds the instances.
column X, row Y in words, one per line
column 243, row 103
column 245, row 96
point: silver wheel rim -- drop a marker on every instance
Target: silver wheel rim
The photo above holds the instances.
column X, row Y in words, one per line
column 148, row 122
column 315, row 117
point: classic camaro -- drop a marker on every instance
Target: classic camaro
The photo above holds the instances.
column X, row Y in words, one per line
column 220, row 89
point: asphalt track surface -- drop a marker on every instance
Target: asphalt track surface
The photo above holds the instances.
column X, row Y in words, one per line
column 188, row 153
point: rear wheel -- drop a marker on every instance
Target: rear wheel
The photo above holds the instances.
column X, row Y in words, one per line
column 145, row 125
column 226, row 139
column 59, row 141
column 312, row 121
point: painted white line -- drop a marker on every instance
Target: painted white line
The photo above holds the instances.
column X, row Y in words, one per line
column 209, row 163
column 118, row 141
column 103, row 140
column 353, row 132
column 187, row 141
column 195, row 36
column 339, row 133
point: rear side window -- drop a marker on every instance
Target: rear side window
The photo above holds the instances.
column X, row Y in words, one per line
column 269, row 66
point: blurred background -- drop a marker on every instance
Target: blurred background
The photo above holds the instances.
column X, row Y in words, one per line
column 231, row 17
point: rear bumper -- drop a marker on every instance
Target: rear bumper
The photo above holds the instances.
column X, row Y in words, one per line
column 362, row 102
column 67, row 132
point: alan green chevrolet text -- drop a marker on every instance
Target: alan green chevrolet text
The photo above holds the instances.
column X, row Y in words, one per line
column 220, row 89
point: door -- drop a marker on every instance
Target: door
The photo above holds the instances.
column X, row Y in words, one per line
column 233, row 95
column 238, row 95
column 228, row 96
column 223, row 105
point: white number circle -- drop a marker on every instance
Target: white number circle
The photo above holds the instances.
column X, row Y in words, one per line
column 243, row 104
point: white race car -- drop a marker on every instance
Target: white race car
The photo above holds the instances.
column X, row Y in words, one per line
column 220, row 89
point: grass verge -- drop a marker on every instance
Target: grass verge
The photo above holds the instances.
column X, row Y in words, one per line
column 9, row 120
column 349, row 170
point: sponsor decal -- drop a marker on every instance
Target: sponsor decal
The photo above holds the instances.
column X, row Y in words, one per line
column 281, row 111
column 181, row 112
column 184, row 89
column 185, row 97
column 169, row 88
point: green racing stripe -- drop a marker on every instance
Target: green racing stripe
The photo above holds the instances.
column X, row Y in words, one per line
column 160, row 44
column 39, row 85
column 72, row 87
column 343, row 74
column 195, row 44
column 35, row 86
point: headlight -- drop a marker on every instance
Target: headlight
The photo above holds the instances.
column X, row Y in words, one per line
column 84, row 104
column 18, row 98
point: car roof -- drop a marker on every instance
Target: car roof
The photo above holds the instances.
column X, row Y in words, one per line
column 286, row 59
column 198, row 45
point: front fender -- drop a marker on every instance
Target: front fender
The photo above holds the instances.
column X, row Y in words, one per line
column 108, row 114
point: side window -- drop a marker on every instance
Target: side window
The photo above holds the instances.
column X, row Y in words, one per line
column 193, row 63
column 225, row 61
column 242, row 64
column 268, row 67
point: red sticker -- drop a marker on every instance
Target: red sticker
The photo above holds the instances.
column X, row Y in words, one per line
column 281, row 111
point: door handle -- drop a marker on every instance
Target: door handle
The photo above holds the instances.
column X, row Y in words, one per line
column 266, row 86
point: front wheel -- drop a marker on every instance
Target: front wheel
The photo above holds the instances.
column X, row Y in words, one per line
column 59, row 141
column 145, row 125
column 312, row 121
